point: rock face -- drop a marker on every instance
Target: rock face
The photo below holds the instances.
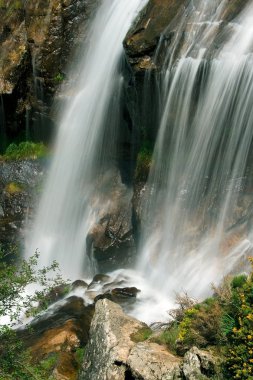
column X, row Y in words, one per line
column 36, row 40
column 20, row 181
column 110, row 241
column 114, row 353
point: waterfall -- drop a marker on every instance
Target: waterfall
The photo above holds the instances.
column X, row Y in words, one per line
column 69, row 206
column 198, row 173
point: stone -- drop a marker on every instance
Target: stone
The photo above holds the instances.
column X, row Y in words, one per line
column 65, row 326
column 198, row 365
column 151, row 361
column 110, row 343
column 111, row 240
column 79, row 284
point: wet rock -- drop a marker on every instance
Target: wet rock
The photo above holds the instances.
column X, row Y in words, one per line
column 125, row 292
column 66, row 325
column 110, row 343
column 122, row 296
column 111, row 240
column 79, row 284
column 142, row 39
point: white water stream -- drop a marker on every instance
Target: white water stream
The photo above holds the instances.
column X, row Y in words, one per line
column 68, row 207
column 201, row 154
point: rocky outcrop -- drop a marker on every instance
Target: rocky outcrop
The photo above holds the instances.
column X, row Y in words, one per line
column 36, row 41
column 114, row 352
column 59, row 333
column 110, row 241
column 143, row 38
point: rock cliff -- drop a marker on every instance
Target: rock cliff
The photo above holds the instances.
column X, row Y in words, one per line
column 36, row 41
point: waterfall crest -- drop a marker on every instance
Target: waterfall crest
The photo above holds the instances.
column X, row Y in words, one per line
column 202, row 152
column 68, row 206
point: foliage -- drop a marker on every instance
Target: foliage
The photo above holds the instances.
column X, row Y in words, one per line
column 25, row 150
column 143, row 163
column 15, row 362
column 168, row 337
column 59, row 78
column 224, row 321
column 239, row 360
column 201, row 325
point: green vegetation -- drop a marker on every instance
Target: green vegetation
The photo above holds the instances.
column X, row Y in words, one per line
column 141, row 335
column 15, row 361
column 25, row 150
column 168, row 337
column 59, row 78
column 222, row 323
column 14, row 188
column 144, row 160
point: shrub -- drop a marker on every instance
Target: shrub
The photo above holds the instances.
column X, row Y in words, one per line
column 15, row 362
column 239, row 357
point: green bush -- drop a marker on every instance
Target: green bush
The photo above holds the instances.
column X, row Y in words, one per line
column 15, row 361
column 25, row 150
column 239, row 357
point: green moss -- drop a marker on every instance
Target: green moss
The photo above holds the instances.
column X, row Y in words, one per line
column 79, row 355
column 141, row 335
column 25, row 150
column 14, row 188
column 143, row 162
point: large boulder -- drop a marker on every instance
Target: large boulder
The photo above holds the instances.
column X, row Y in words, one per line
column 110, row 343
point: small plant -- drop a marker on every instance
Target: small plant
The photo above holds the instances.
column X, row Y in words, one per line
column 59, row 78
column 144, row 160
column 168, row 337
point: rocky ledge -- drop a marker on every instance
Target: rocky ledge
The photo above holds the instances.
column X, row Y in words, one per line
column 116, row 350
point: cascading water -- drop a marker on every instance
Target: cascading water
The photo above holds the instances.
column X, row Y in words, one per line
column 197, row 178
column 68, row 207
